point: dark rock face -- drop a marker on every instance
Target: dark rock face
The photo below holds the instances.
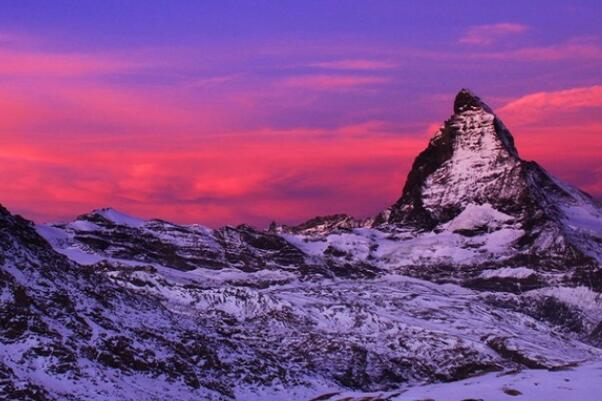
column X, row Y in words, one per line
column 549, row 309
column 596, row 335
column 255, row 250
column 409, row 208
column 505, row 284
column 324, row 224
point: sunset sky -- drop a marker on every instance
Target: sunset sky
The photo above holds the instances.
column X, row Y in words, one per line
column 224, row 112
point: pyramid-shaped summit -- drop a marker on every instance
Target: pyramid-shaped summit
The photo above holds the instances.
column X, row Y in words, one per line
column 471, row 161
column 467, row 100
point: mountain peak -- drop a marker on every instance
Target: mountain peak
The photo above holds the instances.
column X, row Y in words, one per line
column 114, row 216
column 467, row 100
column 471, row 171
column 470, row 160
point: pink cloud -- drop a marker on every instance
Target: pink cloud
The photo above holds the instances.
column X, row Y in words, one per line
column 251, row 176
column 563, row 51
column 561, row 130
column 33, row 63
column 70, row 145
column 570, row 152
column 482, row 35
column 7, row 38
column 536, row 106
column 358, row 64
column 576, row 49
column 333, row 82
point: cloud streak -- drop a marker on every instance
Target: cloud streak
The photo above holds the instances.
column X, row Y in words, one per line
column 572, row 50
column 561, row 130
column 357, row 65
column 34, row 63
column 537, row 106
column 483, row 35
column 322, row 82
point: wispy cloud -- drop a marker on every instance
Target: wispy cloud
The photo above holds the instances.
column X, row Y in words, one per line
column 213, row 81
column 535, row 106
column 36, row 63
column 570, row 50
column 14, row 40
column 561, row 130
column 482, row 35
column 356, row 64
column 333, row 82
column 7, row 38
column 252, row 176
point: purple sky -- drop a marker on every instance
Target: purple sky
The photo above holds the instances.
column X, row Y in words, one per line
column 229, row 112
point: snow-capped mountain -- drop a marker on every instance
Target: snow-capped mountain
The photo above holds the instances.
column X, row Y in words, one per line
column 471, row 169
column 486, row 263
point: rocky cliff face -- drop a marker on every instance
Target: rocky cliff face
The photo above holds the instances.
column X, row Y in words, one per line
column 486, row 263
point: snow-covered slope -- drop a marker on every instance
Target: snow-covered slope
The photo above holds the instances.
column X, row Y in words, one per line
column 582, row 383
column 107, row 330
column 485, row 264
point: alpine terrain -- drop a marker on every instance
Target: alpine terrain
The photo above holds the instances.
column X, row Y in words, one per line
column 483, row 281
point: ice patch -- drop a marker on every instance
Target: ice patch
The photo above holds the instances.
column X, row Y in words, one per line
column 584, row 219
column 583, row 383
column 119, row 218
column 509, row 272
column 476, row 216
